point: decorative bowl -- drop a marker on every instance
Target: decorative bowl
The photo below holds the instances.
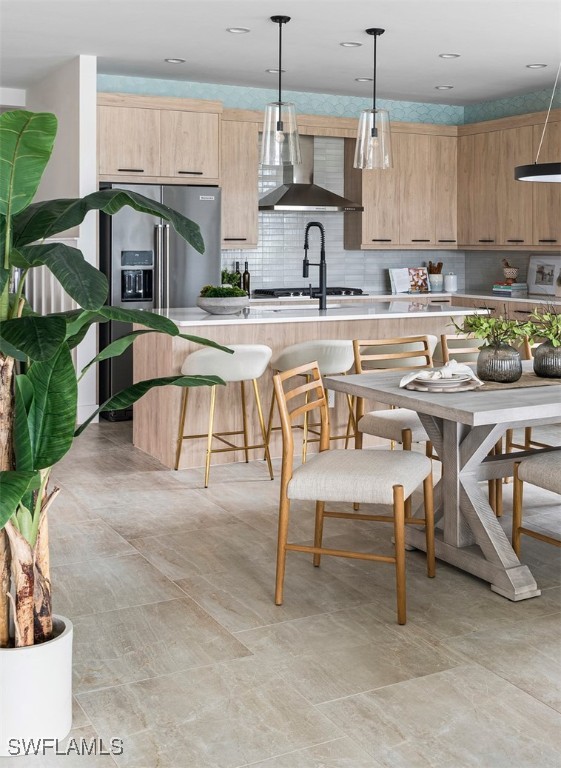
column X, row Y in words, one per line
column 510, row 273
column 216, row 305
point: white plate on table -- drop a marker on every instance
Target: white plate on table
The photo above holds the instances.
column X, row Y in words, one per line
column 454, row 381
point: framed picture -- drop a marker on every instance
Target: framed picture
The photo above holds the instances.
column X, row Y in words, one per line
column 543, row 272
column 418, row 280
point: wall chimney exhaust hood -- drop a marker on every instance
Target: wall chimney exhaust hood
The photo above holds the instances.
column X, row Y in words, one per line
column 299, row 193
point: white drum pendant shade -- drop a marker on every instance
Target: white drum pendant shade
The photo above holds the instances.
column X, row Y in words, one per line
column 373, row 144
column 280, row 144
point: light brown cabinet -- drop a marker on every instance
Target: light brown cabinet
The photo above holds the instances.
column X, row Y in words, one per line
column 159, row 139
column 515, row 198
column 129, row 141
column 240, row 170
column 478, row 173
column 412, row 204
column 546, row 196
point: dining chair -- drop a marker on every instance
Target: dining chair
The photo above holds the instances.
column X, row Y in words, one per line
column 464, row 347
column 337, row 475
column 544, row 471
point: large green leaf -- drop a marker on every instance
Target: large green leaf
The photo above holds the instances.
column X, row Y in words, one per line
column 48, row 218
column 116, row 348
column 23, row 400
column 81, row 280
column 26, row 143
column 36, row 337
column 52, row 416
column 13, row 487
column 130, row 395
column 141, row 317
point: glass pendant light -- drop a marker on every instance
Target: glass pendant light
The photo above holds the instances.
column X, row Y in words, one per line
column 541, row 171
column 373, row 143
column 280, row 145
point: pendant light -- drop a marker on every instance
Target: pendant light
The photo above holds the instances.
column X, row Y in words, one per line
column 280, row 145
column 541, row 171
column 373, row 143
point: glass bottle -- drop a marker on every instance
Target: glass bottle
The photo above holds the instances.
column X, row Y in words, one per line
column 238, row 276
column 246, row 277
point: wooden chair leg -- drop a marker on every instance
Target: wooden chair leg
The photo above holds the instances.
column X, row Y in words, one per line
column 305, row 430
column 407, row 442
column 318, row 533
column 527, row 438
column 399, row 537
column 210, row 431
column 244, row 422
column 509, row 439
column 498, row 506
column 284, row 511
column 181, row 427
column 517, row 493
column 270, row 419
column 429, row 524
column 263, row 430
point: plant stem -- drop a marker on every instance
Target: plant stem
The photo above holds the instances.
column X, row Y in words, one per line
column 18, row 303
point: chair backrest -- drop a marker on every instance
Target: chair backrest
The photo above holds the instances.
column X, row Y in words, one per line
column 529, row 346
column 295, row 401
column 389, row 354
column 463, row 347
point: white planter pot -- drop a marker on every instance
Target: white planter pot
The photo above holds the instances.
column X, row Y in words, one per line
column 36, row 689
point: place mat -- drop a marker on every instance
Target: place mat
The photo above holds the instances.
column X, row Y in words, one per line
column 528, row 379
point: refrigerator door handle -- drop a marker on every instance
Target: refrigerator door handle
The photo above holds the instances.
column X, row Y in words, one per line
column 158, row 293
column 166, row 266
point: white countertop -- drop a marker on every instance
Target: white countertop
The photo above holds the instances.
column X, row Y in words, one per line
column 379, row 310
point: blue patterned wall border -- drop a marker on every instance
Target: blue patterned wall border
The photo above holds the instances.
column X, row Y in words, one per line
column 240, row 97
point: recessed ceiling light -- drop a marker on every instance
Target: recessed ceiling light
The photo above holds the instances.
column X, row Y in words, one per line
column 449, row 55
column 443, row 87
column 363, row 79
column 351, row 44
column 535, row 66
column 275, row 71
column 238, row 30
column 175, row 61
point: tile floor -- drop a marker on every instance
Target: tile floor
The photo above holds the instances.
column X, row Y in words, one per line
column 180, row 651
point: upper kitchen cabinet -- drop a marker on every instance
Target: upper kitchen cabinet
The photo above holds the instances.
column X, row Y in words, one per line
column 189, row 145
column 515, row 209
column 411, row 205
column 478, row 174
column 129, row 141
column 158, row 139
column 546, row 196
column 240, row 170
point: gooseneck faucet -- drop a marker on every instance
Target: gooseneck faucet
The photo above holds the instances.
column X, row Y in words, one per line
column 322, row 264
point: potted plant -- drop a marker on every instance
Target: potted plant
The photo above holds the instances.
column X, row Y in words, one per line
column 38, row 408
column 222, row 299
column 545, row 325
column 497, row 359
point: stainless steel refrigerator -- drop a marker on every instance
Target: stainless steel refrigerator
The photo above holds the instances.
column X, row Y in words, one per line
column 150, row 267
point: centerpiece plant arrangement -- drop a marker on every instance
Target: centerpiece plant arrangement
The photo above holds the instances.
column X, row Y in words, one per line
column 222, row 299
column 38, row 380
column 544, row 325
column 497, row 359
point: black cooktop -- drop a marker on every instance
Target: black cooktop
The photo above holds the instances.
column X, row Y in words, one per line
column 277, row 293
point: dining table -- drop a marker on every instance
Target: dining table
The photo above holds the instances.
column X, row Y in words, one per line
column 464, row 426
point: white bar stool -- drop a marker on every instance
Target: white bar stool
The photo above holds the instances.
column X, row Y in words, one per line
column 248, row 363
column 333, row 356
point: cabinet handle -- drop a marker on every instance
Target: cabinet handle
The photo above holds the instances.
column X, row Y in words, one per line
column 381, row 239
column 192, row 173
column 522, row 312
column 131, row 170
column 486, row 241
column 547, row 241
column 228, row 239
column 446, row 241
column 420, row 240
column 515, row 241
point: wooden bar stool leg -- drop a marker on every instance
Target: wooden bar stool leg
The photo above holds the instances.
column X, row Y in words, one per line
column 516, row 509
column 318, row 532
column 284, row 511
column 399, row 536
column 210, row 431
column 181, row 428
column 262, row 425
column 428, row 493
column 244, row 422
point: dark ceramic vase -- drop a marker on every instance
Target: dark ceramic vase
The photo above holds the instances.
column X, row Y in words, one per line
column 499, row 363
column 547, row 360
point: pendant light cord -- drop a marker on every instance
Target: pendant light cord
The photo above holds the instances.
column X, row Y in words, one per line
column 548, row 111
column 374, row 76
column 280, row 61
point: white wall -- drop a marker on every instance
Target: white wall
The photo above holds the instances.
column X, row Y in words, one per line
column 10, row 98
column 70, row 93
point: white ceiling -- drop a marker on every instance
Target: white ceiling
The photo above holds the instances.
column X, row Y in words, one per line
column 496, row 39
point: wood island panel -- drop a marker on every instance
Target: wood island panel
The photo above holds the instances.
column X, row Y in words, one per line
column 156, row 415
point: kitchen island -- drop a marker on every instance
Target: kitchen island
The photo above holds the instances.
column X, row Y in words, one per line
column 156, row 415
